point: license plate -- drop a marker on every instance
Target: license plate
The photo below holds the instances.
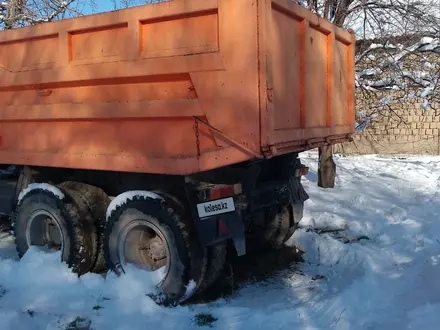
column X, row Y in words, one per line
column 219, row 206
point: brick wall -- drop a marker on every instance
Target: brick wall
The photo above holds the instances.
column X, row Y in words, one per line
column 401, row 128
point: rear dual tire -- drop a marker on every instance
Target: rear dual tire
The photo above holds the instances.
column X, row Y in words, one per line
column 280, row 224
column 42, row 219
column 96, row 201
column 216, row 258
column 77, row 221
column 85, row 246
column 280, row 227
column 186, row 265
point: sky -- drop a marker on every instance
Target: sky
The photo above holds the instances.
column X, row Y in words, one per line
column 108, row 5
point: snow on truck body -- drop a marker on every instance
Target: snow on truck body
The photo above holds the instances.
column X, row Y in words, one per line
column 197, row 138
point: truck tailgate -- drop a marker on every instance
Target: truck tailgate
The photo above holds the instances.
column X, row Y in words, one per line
column 309, row 79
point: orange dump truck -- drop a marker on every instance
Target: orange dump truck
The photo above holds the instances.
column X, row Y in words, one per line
column 155, row 135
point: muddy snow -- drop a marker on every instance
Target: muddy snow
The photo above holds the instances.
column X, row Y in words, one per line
column 371, row 261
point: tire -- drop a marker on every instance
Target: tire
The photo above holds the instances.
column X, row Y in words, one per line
column 72, row 220
column 185, row 268
column 199, row 253
column 295, row 217
column 97, row 202
column 280, row 225
column 283, row 224
column 277, row 225
column 216, row 263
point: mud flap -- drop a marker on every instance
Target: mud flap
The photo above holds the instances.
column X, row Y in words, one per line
column 217, row 228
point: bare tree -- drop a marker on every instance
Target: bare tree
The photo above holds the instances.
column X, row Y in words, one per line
column 117, row 4
column 409, row 69
column 390, row 73
column 18, row 13
column 372, row 18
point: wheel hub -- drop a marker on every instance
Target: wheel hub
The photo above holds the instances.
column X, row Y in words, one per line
column 142, row 244
column 43, row 229
column 156, row 250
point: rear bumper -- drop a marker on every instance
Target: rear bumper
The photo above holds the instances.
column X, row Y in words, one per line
column 223, row 219
column 312, row 143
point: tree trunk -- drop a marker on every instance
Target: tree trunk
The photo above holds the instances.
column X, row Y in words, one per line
column 326, row 168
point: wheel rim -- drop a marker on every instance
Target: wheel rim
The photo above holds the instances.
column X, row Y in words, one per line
column 143, row 245
column 43, row 229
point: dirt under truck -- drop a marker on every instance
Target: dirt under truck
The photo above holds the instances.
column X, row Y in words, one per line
column 155, row 136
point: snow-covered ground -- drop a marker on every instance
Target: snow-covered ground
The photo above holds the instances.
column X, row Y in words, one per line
column 372, row 261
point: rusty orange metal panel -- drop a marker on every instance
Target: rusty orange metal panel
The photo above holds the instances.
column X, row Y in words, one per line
column 312, row 76
column 29, row 54
column 175, row 87
column 108, row 42
column 180, row 36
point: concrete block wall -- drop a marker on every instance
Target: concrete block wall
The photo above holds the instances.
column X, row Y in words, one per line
column 401, row 128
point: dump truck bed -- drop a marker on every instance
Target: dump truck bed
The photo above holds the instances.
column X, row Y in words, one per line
column 175, row 88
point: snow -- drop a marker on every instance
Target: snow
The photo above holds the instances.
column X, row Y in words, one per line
column 127, row 196
column 424, row 44
column 427, row 40
column 425, row 105
column 190, row 288
column 386, row 100
column 365, row 120
column 42, row 186
column 394, row 72
column 371, row 261
column 374, row 46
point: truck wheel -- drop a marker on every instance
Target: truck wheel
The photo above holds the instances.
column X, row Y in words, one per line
column 149, row 234
column 42, row 219
column 216, row 263
column 278, row 226
column 295, row 217
column 199, row 253
column 97, row 202
column 281, row 226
